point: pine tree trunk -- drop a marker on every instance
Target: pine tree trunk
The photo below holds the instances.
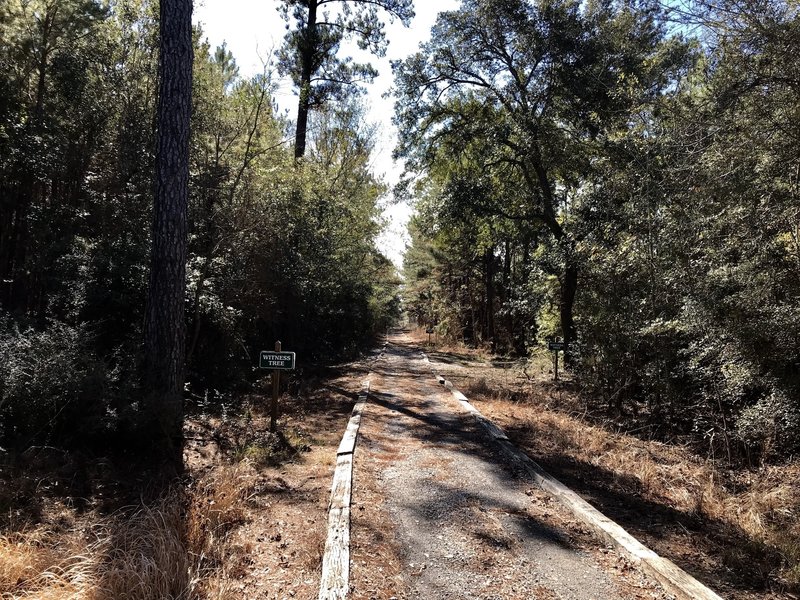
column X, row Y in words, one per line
column 306, row 66
column 164, row 328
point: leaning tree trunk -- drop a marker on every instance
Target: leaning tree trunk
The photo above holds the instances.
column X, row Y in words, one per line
column 569, row 286
column 164, row 329
column 569, row 280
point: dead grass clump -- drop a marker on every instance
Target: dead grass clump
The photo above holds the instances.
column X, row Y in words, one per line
column 138, row 555
column 22, row 559
column 143, row 555
column 217, row 505
column 478, row 388
column 174, row 548
column 789, row 544
column 288, row 445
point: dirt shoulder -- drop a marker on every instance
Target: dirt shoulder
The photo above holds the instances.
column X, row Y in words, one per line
column 276, row 550
column 712, row 522
column 248, row 520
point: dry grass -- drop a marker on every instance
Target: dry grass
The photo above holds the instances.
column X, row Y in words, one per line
column 764, row 504
column 139, row 555
column 217, row 504
column 250, row 522
column 174, row 548
column 23, row 558
column 764, row 498
column 479, row 387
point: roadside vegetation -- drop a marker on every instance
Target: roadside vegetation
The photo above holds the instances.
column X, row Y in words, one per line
column 623, row 176
column 277, row 248
column 271, row 255
column 247, row 519
column 734, row 528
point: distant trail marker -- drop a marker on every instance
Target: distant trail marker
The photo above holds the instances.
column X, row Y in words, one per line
column 555, row 345
column 276, row 362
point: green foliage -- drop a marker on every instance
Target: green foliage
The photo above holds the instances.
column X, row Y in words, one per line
column 661, row 171
column 52, row 385
column 511, row 106
column 770, row 426
column 279, row 251
column 696, row 324
column 311, row 45
column 310, row 52
column 276, row 250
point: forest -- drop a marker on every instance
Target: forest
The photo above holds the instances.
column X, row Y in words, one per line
column 624, row 176
column 271, row 252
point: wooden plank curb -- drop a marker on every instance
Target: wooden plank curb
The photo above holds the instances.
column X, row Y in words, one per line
column 335, row 580
column 674, row 579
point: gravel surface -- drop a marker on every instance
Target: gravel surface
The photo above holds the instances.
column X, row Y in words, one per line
column 466, row 525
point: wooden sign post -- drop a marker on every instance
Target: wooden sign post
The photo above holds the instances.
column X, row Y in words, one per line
column 555, row 345
column 276, row 389
column 275, row 361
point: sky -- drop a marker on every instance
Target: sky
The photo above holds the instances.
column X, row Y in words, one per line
column 252, row 29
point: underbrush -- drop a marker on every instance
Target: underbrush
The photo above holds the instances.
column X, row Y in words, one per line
column 172, row 548
column 76, row 523
column 271, row 449
column 762, row 503
column 66, row 532
column 242, row 433
column 71, row 394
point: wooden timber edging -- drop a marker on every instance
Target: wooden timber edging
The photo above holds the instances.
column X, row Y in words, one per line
column 674, row 579
column 335, row 580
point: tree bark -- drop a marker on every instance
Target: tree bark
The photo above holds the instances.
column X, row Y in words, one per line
column 307, row 69
column 489, row 272
column 569, row 280
column 506, row 295
column 569, row 286
column 164, row 328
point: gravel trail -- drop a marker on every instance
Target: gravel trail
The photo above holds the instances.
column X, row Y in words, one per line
column 465, row 524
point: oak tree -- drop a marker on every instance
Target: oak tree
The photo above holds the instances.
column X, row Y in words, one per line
column 545, row 83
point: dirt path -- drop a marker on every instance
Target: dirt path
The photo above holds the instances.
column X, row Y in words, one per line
column 438, row 514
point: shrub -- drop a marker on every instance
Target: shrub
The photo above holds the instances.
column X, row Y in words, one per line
column 771, row 427
column 52, row 386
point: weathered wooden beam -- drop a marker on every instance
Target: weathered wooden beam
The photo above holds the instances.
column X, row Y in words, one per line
column 348, row 443
column 342, row 482
column 335, row 581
